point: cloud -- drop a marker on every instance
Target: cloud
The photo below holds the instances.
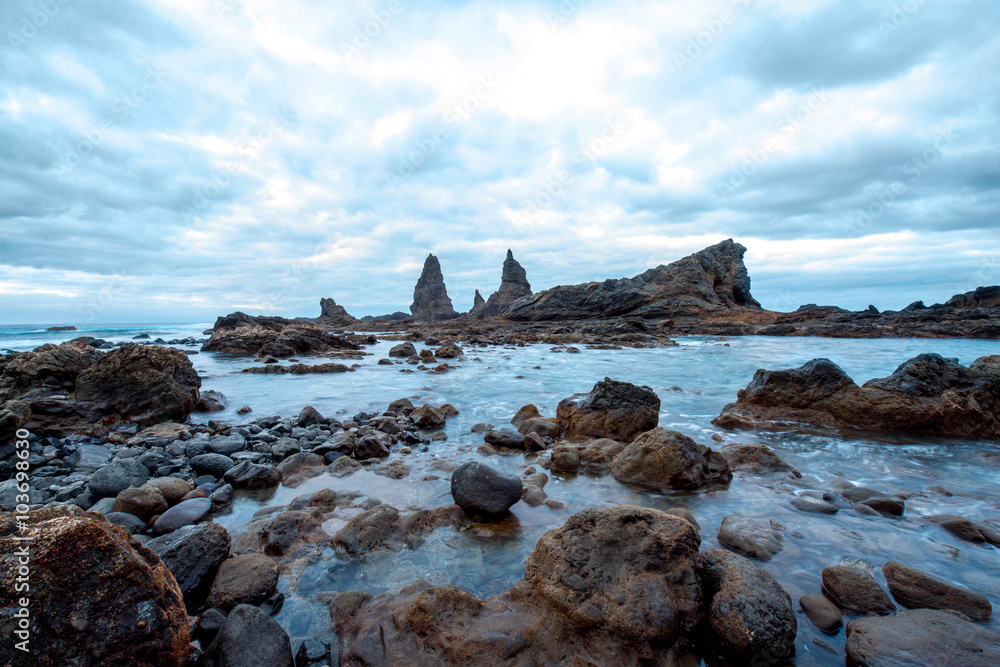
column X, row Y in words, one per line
column 176, row 159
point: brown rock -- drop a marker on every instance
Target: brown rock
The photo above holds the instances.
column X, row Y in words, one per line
column 661, row 459
column 921, row 637
column 755, row 459
column 612, row 409
column 915, row 590
column 143, row 502
column 855, row 590
column 247, row 579
column 823, row 613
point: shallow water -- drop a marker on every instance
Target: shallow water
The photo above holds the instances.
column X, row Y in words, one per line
column 494, row 382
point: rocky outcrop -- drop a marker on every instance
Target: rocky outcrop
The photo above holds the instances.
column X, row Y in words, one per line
column 276, row 336
column 430, row 296
column 664, row 460
column 713, row 280
column 612, row 409
column 513, row 285
column 926, row 396
column 143, row 384
column 981, row 297
column 97, row 596
column 478, row 306
column 52, row 366
column 334, row 315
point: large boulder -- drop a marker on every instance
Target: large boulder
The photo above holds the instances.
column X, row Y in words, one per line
column 57, row 366
column 193, row 556
column 916, row 590
column 855, row 590
column 513, row 285
column 246, row 579
column 97, row 597
column 928, row 395
column 147, row 384
column 250, row 637
column 750, row 616
column 111, row 479
column 616, row 410
column 479, row 489
column 921, row 637
column 712, row 281
column 662, row 459
column 276, row 336
column 628, row 570
column 430, row 296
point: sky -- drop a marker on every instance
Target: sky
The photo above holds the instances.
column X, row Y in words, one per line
column 176, row 160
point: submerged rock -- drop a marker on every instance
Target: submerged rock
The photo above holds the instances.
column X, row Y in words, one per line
column 612, row 409
column 823, row 613
column 750, row 538
column 662, row 459
column 98, row 597
column 926, row 396
column 855, row 590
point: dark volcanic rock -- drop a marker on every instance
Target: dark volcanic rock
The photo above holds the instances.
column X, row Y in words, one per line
column 334, row 315
column 115, row 477
column 250, row 637
column 750, row 616
column 981, row 297
column 193, row 556
column 662, row 459
column 275, row 336
column 927, row 396
column 616, row 410
column 710, row 281
column 248, row 475
column 915, row 590
column 479, row 489
column 246, row 579
column 513, row 285
column 97, row 596
column 921, row 637
column 146, row 384
column 59, row 364
column 478, row 305
column 855, row 590
column 430, row 296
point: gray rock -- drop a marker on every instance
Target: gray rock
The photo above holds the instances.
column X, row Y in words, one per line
column 215, row 465
column 247, row 475
column 921, row 637
column 750, row 538
column 129, row 522
column 310, row 416
column 182, row 514
column 89, row 457
column 227, row 445
column 504, row 437
column 479, row 489
column 193, row 555
column 404, row 350
column 250, row 637
column 113, row 478
column 809, row 504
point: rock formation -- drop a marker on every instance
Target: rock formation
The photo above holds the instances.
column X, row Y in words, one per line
column 478, row 306
column 430, row 296
column 513, row 285
column 276, row 336
column 926, row 396
column 710, row 281
column 334, row 315
column 612, row 409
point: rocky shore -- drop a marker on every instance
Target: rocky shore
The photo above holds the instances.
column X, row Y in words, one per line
column 119, row 474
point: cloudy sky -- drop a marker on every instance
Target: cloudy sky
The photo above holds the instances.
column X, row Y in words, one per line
column 173, row 160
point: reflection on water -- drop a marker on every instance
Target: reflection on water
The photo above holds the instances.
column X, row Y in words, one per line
column 492, row 383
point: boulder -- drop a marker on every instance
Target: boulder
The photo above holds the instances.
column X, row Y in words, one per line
column 211, row 401
column 211, row 464
column 662, row 459
column 143, row 502
column 193, row 556
column 612, row 409
column 749, row 615
column 247, row 579
column 310, row 416
column 111, row 479
column 855, row 590
column 823, row 613
column 250, row 637
column 479, row 489
column 172, row 488
column 504, row 437
column 333, row 315
column 404, row 350
column 146, row 384
column 915, row 590
column 921, row 637
column 750, row 537
column 427, row 417
column 98, row 597
column 89, row 457
column 275, row 336
column 755, row 459
column 448, row 351
column 926, row 396
column 545, row 428
column 430, row 296
column 182, row 514
column 248, row 475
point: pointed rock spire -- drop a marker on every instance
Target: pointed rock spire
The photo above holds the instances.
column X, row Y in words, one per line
column 331, row 313
column 513, row 285
column 430, row 296
column 478, row 305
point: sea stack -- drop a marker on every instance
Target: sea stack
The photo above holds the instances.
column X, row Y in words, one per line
column 334, row 315
column 430, row 296
column 478, row 305
column 513, row 285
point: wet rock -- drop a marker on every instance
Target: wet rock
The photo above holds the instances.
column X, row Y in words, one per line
column 806, row 503
column 504, row 437
column 115, row 477
column 876, row 500
column 225, row 445
column 143, row 502
column 427, row 417
column 545, row 428
column 182, row 514
column 565, row 459
column 404, row 350
column 211, row 401
column 250, row 637
column 916, row 590
column 107, row 599
column 274, row 336
column 299, row 467
column 247, row 475
column 130, row 522
column 612, row 409
column 246, row 579
column 626, row 570
column 990, row 530
column 193, row 556
column 683, row 513
column 755, row 459
column 370, row 447
column 750, row 538
column 310, row 416
column 211, row 464
column 926, row 396
column 749, row 615
column 526, row 412
column 921, row 637
column 400, row 406
column 89, row 457
column 855, row 590
column 479, row 489
column 957, row 525
column 172, row 488
column 448, row 351
column 146, row 384
column 661, row 459
column 822, row 613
